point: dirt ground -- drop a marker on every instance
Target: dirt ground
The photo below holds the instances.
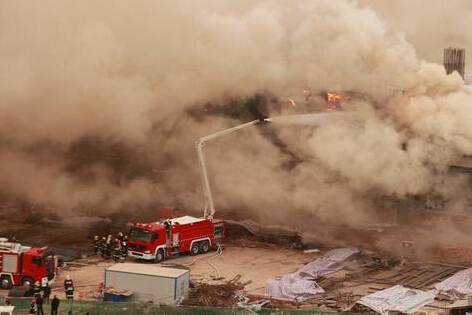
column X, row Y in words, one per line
column 255, row 263
column 408, row 258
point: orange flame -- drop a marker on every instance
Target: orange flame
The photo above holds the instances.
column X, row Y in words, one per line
column 333, row 101
column 333, row 97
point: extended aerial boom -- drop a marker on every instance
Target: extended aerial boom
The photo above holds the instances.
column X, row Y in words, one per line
column 315, row 119
column 209, row 209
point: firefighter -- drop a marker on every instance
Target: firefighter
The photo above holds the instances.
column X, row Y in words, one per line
column 119, row 236
column 117, row 250
column 108, row 248
column 168, row 224
column 103, row 243
column 36, row 289
column 124, row 247
column 96, row 244
column 69, row 288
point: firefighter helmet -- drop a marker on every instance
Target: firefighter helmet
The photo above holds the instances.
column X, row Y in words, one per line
column 68, row 277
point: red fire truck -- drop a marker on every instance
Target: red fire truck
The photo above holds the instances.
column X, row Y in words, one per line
column 24, row 265
column 159, row 240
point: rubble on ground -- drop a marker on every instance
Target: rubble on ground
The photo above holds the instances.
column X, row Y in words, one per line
column 223, row 294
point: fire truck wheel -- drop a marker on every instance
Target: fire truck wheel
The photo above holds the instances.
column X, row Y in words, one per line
column 204, row 247
column 195, row 248
column 159, row 256
column 27, row 282
column 5, row 282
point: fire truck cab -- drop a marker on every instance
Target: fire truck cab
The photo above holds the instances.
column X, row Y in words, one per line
column 159, row 240
column 24, row 265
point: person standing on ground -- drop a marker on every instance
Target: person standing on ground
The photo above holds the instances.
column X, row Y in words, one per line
column 69, row 288
column 102, row 246
column 124, row 248
column 117, row 250
column 39, row 305
column 119, row 236
column 108, row 247
column 46, row 293
column 96, row 244
column 54, row 305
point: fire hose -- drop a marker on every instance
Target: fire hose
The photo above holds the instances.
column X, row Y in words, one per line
column 218, row 252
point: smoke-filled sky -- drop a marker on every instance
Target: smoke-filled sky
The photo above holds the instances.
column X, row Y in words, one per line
column 429, row 25
column 95, row 100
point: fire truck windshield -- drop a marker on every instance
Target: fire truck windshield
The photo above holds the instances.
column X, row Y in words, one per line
column 140, row 234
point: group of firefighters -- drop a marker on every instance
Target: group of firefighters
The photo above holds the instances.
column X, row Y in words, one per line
column 36, row 306
column 106, row 246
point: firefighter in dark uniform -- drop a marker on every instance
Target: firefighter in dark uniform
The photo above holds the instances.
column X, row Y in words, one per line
column 168, row 224
column 102, row 246
column 108, row 247
column 36, row 289
column 119, row 236
column 96, row 244
column 117, row 250
column 69, row 288
column 124, row 247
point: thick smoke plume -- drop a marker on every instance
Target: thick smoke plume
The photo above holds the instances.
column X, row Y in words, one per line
column 101, row 103
column 429, row 25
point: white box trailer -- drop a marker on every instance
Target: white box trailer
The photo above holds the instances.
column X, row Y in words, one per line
column 149, row 283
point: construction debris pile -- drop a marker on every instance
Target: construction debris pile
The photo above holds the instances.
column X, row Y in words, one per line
column 226, row 294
